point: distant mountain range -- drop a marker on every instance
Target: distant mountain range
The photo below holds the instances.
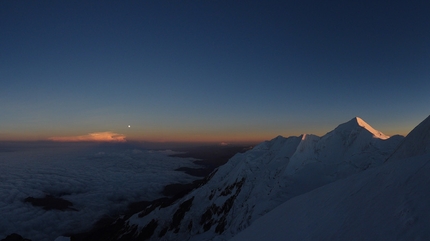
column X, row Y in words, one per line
column 353, row 183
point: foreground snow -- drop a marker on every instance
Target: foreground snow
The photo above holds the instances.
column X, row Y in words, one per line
column 386, row 203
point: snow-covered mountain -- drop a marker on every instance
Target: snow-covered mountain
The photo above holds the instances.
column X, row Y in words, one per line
column 351, row 147
column 253, row 183
column 389, row 202
column 417, row 142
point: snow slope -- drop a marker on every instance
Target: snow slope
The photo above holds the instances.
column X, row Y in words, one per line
column 417, row 142
column 386, row 203
column 251, row 184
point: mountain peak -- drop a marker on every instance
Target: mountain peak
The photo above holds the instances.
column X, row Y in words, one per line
column 358, row 122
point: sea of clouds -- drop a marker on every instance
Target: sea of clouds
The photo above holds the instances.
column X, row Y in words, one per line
column 99, row 179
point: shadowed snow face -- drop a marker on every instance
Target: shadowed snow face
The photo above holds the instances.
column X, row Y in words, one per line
column 98, row 179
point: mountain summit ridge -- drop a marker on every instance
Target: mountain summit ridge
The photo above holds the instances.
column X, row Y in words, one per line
column 389, row 202
column 358, row 122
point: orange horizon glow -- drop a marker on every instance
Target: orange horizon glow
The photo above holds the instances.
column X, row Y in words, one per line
column 109, row 136
column 220, row 138
column 106, row 136
column 170, row 135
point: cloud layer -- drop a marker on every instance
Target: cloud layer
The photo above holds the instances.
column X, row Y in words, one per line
column 106, row 136
column 98, row 179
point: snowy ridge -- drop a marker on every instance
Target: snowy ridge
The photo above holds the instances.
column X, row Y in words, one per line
column 389, row 202
column 252, row 184
column 417, row 142
column 366, row 126
column 350, row 147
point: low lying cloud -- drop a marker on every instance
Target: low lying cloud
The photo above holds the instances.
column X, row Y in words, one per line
column 99, row 180
column 96, row 136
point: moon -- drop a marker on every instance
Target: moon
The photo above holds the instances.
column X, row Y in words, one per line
column 129, row 126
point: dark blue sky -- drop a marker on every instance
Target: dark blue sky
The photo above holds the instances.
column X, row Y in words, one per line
column 211, row 70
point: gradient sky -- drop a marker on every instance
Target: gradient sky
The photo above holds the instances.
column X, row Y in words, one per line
column 211, row 70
